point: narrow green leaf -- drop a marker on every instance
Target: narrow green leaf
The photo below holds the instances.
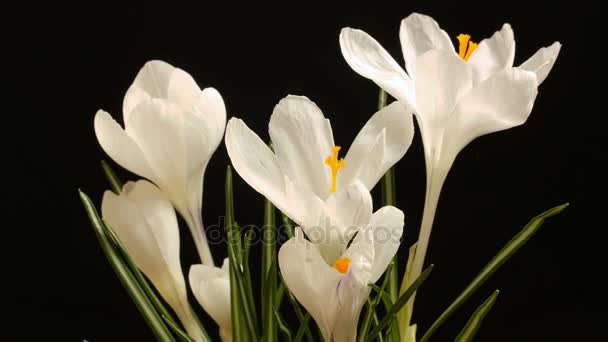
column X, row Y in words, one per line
column 242, row 311
column 386, row 298
column 177, row 330
column 470, row 329
column 236, row 315
column 287, row 225
column 404, row 316
column 371, row 306
column 503, row 255
column 283, row 327
column 389, row 318
column 303, row 328
column 247, row 283
column 278, row 298
column 269, row 273
column 115, row 183
column 145, row 307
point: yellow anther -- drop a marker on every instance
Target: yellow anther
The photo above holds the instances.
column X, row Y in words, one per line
column 466, row 46
column 342, row 265
column 472, row 47
column 335, row 164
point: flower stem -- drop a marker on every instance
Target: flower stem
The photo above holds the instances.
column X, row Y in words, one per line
column 436, row 173
column 195, row 223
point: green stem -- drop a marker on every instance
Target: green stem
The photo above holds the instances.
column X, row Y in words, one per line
column 269, row 283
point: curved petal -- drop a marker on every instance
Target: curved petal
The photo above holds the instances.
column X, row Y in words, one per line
column 152, row 81
column 120, row 146
column 502, row 101
column 158, row 128
column 211, row 287
column 387, row 227
column 493, row 54
column 134, row 96
column 153, row 78
column 145, row 222
column 420, row 33
column 350, row 209
column 442, row 78
column 302, row 140
column 542, row 61
column 392, row 126
column 312, row 281
column 255, row 163
column 369, row 59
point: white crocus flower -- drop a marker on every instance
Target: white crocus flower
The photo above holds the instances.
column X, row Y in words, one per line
column 456, row 96
column 145, row 222
column 172, row 128
column 211, row 287
column 304, row 177
column 334, row 291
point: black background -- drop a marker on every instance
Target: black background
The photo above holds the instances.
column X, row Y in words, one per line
column 65, row 62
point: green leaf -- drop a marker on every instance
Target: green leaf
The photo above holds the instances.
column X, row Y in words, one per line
column 503, row 255
column 176, row 329
column 404, row 316
column 386, row 298
column 371, row 306
column 283, row 327
column 269, row 273
column 399, row 304
column 242, row 313
column 115, row 183
column 303, row 328
column 287, row 225
column 470, row 329
column 145, row 307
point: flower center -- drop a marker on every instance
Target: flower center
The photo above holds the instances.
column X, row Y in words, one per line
column 342, row 265
column 335, row 164
column 466, row 47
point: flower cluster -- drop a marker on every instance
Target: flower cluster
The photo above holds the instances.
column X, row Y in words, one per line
column 172, row 128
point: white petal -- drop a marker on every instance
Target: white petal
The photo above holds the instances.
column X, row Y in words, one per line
column 361, row 253
column 134, row 96
column 255, row 163
column 369, row 59
column 181, row 88
column 418, row 34
column 302, row 140
column 153, row 78
column 145, row 222
column 350, row 208
column 502, row 101
column 441, row 79
column 394, row 123
column 152, row 81
column 493, row 54
column 120, row 146
column 158, row 127
column 387, row 226
column 312, row 281
column 542, row 61
column 211, row 287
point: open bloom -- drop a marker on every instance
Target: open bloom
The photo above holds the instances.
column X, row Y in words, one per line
column 211, row 287
column 171, row 130
column 145, row 222
column 334, row 291
column 456, row 96
column 305, row 178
